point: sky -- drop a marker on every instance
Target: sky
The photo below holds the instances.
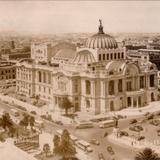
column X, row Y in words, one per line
column 79, row 16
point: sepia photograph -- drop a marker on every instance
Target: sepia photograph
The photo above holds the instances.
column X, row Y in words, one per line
column 79, row 80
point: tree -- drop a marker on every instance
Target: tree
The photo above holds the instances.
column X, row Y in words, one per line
column 6, row 121
column 67, row 150
column 66, row 104
column 25, row 121
column 147, row 154
column 46, row 149
column 56, row 141
column 32, row 121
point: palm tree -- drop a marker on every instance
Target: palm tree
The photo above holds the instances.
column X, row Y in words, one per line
column 147, row 154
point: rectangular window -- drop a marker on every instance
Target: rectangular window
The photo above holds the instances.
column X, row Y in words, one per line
column 120, row 85
column 141, row 82
column 151, row 80
column 107, row 56
column 115, row 56
column 103, row 56
column 129, row 86
column 111, row 56
column 99, row 57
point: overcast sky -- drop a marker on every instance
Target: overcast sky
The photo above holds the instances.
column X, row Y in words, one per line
column 80, row 16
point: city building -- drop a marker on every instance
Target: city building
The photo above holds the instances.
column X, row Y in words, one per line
column 154, row 55
column 15, row 53
column 97, row 78
column 7, row 74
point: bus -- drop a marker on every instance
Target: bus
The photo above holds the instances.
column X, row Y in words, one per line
column 84, row 124
column 85, row 146
column 106, row 124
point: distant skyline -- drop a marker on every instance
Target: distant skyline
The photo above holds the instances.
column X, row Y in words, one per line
column 52, row 17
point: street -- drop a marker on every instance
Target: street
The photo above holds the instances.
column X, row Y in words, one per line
column 88, row 134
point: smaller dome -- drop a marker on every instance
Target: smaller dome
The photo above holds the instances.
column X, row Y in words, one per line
column 84, row 57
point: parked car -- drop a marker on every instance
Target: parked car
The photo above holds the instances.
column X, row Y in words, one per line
column 58, row 122
column 155, row 122
column 147, row 114
column 133, row 121
column 140, row 138
column 151, row 116
column 124, row 133
column 136, row 128
column 94, row 141
column 33, row 112
column 110, row 150
column 101, row 156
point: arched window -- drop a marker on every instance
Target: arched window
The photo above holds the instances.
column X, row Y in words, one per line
column 88, row 87
column 111, row 87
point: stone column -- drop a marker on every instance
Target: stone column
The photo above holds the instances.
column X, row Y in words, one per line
column 131, row 101
column 106, row 88
column 115, row 86
column 42, row 76
column 83, row 87
column 137, row 102
column 93, row 88
column 102, row 88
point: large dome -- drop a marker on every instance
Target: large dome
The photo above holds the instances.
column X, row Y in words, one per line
column 101, row 40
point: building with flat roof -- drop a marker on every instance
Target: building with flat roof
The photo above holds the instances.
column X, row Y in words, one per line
column 7, row 74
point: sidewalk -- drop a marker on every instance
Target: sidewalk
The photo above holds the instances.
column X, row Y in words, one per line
column 129, row 112
column 130, row 142
column 40, row 111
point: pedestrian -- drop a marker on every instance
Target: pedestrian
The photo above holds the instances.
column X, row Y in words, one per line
column 132, row 143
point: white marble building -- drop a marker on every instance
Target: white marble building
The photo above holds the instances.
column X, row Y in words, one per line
column 97, row 78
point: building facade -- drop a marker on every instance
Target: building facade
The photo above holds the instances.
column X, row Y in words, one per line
column 7, row 74
column 97, row 78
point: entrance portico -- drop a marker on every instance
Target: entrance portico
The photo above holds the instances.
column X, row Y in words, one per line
column 134, row 101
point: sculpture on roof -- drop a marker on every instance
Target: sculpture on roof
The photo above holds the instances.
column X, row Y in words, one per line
column 100, row 27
